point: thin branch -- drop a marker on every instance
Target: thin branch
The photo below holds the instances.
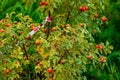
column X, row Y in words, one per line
column 25, row 51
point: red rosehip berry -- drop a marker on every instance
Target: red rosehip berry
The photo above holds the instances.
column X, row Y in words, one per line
column 28, row 37
column 102, row 59
column 2, row 21
column 37, row 42
column 86, row 8
column 2, row 30
column 97, row 46
column 96, row 15
column 32, row 28
column 63, row 61
column 51, row 78
column 20, row 32
column 7, row 71
column 94, row 31
column 89, row 57
column 13, row 35
column 27, row 44
column 50, row 70
column 15, row 78
column 45, row 30
column 8, row 25
column 100, row 47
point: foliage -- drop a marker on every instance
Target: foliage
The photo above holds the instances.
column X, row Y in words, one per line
column 63, row 49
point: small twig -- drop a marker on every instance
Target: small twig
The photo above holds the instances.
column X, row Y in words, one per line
column 68, row 16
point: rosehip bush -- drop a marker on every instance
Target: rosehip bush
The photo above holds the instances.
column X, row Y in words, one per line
column 60, row 49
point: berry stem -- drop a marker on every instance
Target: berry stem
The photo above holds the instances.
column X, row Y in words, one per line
column 7, row 77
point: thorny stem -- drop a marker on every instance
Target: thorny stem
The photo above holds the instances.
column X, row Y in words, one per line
column 48, row 26
column 68, row 16
column 26, row 54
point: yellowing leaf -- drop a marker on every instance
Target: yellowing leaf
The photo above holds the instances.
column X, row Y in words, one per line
column 45, row 55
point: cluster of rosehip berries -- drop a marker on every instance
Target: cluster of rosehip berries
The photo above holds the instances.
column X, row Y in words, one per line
column 43, row 3
column 99, row 46
column 104, row 19
column 83, row 8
